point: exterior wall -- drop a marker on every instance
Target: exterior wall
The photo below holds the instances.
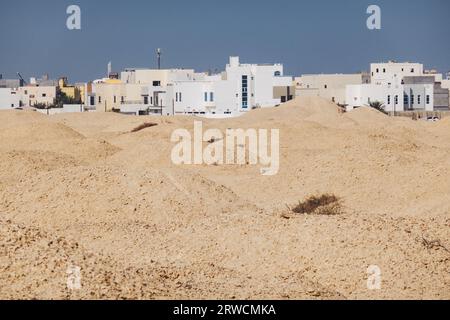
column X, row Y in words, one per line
column 441, row 97
column 445, row 84
column 328, row 86
column 108, row 96
column 408, row 97
column 393, row 72
column 11, row 83
column 148, row 76
column 182, row 91
column 260, row 81
column 32, row 95
column 188, row 97
column 418, row 97
column 9, row 98
column 362, row 95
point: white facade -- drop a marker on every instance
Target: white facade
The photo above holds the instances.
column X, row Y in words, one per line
column 238, row 89
column 395, row 98
column 398, row 86
column 393, row 72
column 9, row 98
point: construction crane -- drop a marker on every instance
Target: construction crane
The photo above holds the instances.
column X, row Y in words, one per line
column 21, row 78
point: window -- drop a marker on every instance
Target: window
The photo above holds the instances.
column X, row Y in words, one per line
column 428, row 99
column 384, row 70
column 277, row 74
column 405, row 99
column 151, row 100
column 156, row 83
column 26, row 91
column 145, row 99
column 44, row 95
column 378, row 70
column 122, row 99
column 211, row 96
column 412, row 70
column 206, row 96
column 389, row 99
column 412, row 99
column 115, row 99
column 418, row 99
column 244, row 92
column 99, row 99
column 179, row 97
column 396, row 100
column 325, row 86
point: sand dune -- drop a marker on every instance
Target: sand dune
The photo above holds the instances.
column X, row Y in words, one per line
column 82, row 189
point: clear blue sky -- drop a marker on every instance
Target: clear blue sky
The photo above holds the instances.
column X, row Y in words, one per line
column 317, row 36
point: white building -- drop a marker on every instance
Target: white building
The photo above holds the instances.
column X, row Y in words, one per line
column 392, row 73
column 240, row 88
column 399, row 87
column 9, row 98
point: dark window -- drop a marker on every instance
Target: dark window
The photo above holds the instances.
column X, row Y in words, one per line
column 145, row 99
column 156, row 83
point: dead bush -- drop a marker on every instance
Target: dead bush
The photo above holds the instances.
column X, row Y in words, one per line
column 144, row 126
column 326, row 204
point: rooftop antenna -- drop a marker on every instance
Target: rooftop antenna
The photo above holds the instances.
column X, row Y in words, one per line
column 158, row 54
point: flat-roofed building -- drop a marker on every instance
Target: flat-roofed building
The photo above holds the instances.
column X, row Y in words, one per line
column 328, row 86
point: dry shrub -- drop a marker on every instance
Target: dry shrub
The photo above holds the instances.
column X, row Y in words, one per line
column 144, row 126
column 326, row 204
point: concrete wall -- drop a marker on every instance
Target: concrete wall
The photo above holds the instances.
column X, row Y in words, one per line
column 328, row 86
column 362, row 95
column 9, row 98
column 32, row 95
column 393, row 72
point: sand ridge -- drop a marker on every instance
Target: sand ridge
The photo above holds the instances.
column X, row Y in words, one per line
column 141, row 227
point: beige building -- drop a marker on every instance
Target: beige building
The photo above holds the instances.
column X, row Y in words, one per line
column 328, row 86
column 445, row 84
column 111, row 94
column 37, row 95
column 156, row 78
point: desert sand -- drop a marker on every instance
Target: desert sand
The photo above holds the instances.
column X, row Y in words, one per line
column 82, row 190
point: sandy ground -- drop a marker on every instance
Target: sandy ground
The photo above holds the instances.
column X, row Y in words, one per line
column 80, row 189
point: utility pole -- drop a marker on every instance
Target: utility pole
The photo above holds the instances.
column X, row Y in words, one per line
column 158, row 54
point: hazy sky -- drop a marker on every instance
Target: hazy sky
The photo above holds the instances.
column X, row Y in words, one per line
column 320, row 36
